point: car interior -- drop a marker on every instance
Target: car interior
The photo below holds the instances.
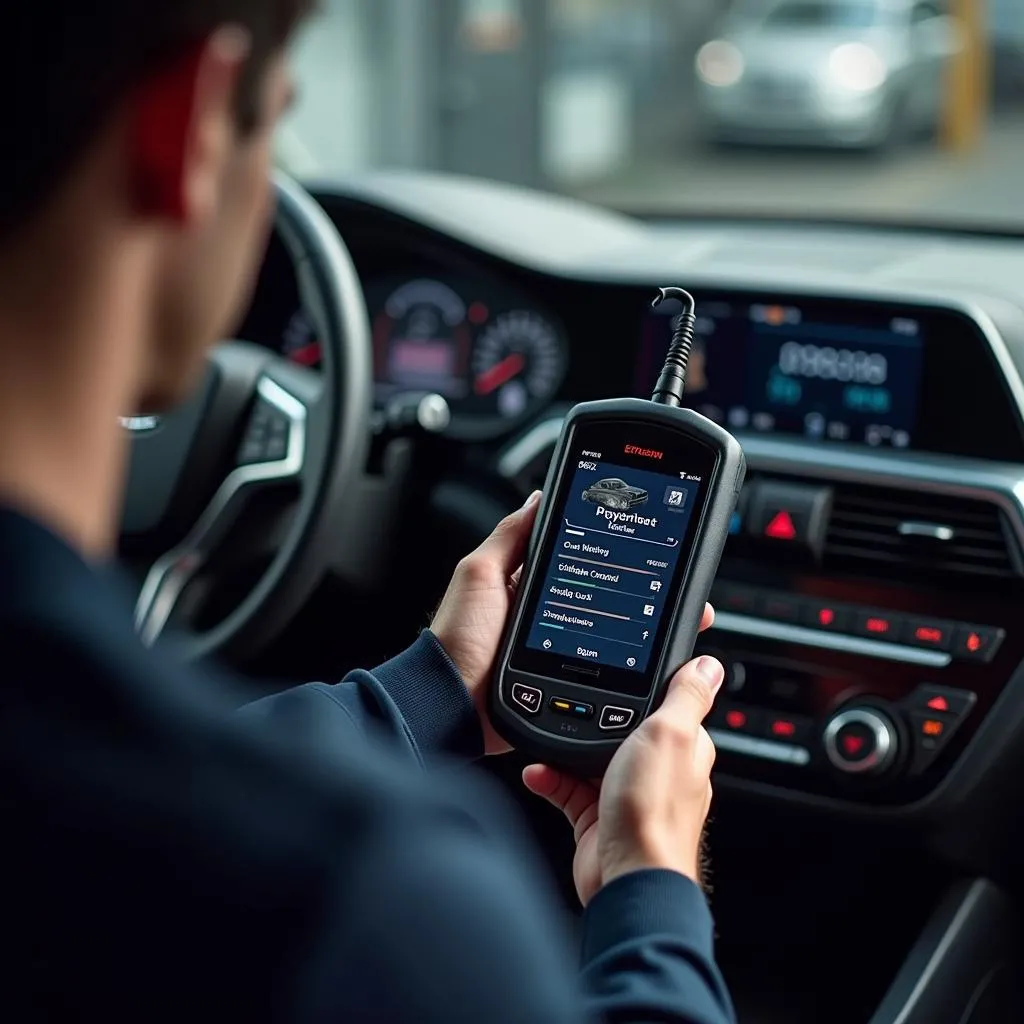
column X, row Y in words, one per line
column 399, row 385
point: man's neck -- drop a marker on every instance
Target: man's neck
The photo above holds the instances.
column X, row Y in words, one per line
column 68, row 369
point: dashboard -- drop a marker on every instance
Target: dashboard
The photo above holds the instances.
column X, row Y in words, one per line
column 501, row 350
column 869, row 596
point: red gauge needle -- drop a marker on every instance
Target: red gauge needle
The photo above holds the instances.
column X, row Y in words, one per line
column 511, row 366
column 308, row 355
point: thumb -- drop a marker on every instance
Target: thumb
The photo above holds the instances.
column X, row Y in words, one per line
column 506, row 546
column 692, row 691
column 571, row 796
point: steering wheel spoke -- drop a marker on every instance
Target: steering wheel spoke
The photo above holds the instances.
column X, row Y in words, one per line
column 272, row 453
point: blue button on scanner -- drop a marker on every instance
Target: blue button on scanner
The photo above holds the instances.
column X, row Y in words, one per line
column 572, row 708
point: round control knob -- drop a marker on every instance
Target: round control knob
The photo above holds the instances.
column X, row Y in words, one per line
column 861, row 741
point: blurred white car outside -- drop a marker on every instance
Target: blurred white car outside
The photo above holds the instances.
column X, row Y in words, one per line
column 837, row 73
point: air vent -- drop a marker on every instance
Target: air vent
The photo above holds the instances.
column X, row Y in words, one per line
column 925, row 533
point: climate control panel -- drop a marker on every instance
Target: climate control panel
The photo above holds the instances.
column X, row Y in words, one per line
column 847, row 698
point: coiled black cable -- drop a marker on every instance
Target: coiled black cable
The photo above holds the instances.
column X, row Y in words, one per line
column 671, row 384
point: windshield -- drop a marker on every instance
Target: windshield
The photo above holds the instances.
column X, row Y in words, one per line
column 824, row 14
column 671, row 108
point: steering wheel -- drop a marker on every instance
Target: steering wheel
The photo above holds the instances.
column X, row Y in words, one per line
column 258, row 427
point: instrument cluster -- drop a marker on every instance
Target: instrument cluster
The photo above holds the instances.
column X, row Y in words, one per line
column 495, row 357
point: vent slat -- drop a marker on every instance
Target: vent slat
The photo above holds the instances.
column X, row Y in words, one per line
column 982, row 546
column 880, row 524
column 865, row 527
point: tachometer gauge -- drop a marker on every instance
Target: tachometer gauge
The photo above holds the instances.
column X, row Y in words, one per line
column 518, row 365
column 422, row 341
column 299, row 342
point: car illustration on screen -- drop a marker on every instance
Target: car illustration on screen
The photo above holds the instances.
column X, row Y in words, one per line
column 615, row 493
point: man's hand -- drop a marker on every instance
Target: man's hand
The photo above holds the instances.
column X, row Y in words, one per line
column 472, row 616
column 650, row 809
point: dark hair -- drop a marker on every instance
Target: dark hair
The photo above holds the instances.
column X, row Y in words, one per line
column 68, row 63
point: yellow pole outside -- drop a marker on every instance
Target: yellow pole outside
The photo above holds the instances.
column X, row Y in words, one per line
column 968, row 81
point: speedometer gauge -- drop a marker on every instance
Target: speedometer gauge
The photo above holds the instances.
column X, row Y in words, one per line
column 518, row 365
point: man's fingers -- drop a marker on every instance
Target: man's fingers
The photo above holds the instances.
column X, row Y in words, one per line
column 709, row 618
column 692, row 691
column 506, row 546
column 571, row 796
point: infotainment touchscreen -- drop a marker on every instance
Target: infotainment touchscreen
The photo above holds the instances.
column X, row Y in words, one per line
column 850, row 373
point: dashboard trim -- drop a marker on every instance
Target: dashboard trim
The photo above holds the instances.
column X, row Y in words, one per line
column 783, row 753
column 746, row 625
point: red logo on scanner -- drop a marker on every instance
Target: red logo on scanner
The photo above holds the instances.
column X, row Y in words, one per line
column 644, row 453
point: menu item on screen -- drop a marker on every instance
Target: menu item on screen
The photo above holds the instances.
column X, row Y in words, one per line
column 609, row 579
column 822, row 373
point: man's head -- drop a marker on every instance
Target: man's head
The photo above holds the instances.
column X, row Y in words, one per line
column 146, row 126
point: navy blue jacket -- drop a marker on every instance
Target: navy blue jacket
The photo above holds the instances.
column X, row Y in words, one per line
column 167, row 859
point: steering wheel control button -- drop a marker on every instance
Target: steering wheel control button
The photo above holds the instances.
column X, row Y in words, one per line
column 529, row 698
column 267, row 436
column 977, row 643
column 877, row 625
column 789, row 517
column 571, row 708
column 616, row 718
column 861, row 741
column 934, row 634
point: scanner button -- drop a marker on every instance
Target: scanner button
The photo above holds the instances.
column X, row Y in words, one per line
column 529, row 698
column 616, row 718
column 572, row 708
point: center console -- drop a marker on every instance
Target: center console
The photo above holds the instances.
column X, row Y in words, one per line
column 862, row 686
column 868, row 602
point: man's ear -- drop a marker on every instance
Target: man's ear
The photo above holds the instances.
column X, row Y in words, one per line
column 183, row 126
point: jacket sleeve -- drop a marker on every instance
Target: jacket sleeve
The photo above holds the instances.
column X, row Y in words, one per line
column 442, row 922
column 648, row 952
column 416, row 702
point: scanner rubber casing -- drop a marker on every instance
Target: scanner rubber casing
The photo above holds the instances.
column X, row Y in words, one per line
column 590, row 757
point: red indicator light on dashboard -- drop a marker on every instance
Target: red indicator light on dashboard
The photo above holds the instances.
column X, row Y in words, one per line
column 938, row 704
column 781, row 527
column 478, row 313
column 878, row 625
column 780, row 727
column 928, row 634
column 826, row 616
column 932, row 728
column 735, row 719
column 974, row 643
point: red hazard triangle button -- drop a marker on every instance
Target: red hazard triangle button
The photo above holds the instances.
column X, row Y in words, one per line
column 789, row 518
column 781, row 526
